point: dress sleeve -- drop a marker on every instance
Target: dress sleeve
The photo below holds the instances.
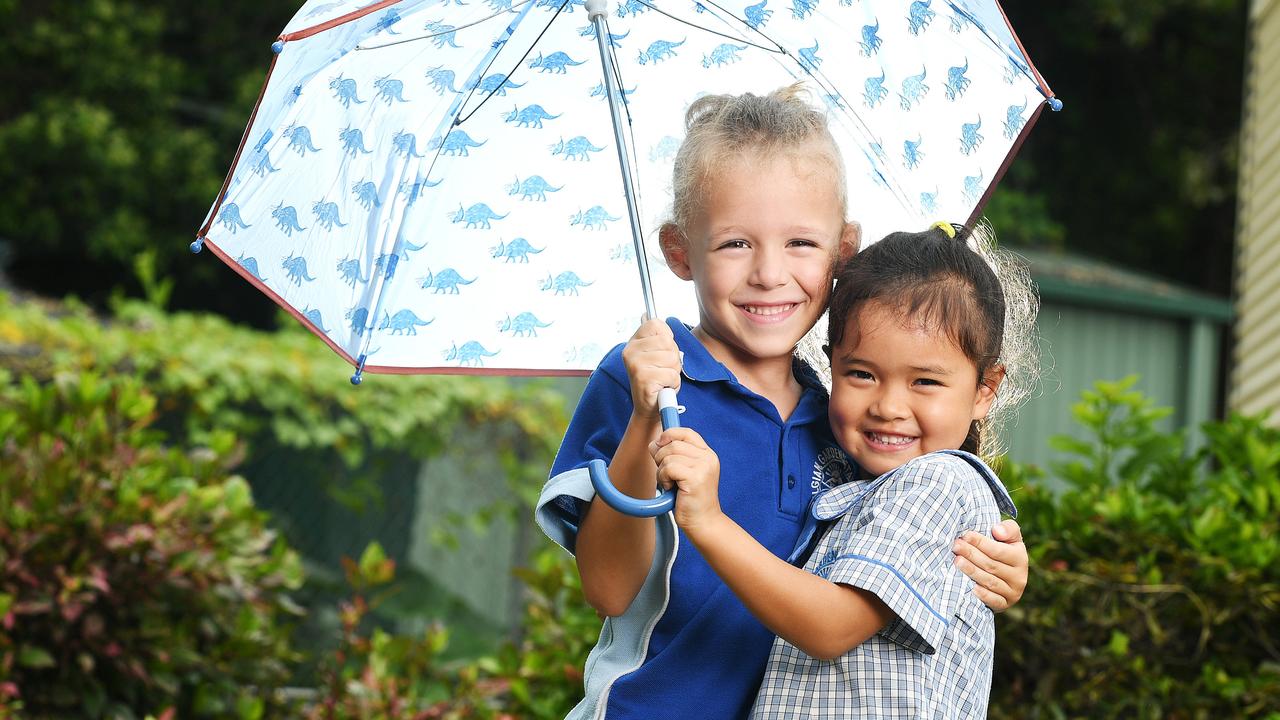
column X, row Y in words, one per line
column 594, row 433
column 898, row 546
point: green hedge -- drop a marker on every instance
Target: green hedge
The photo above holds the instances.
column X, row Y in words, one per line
column 1155, row 588
column 1155, row 583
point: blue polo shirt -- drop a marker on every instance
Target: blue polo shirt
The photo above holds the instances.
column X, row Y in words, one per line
column 706, row 653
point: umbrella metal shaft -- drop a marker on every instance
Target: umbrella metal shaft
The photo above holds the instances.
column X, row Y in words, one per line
column 596, row 9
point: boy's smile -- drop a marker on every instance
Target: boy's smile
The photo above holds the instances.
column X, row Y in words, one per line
column 760, row 251
column 901, row 390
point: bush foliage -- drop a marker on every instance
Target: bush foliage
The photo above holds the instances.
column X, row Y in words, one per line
column 1155, row 574
column 139, row 578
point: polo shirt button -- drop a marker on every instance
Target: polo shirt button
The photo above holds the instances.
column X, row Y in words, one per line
column 791, row 481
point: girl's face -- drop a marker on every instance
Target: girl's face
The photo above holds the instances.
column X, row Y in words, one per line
column 900, row 390
column 760, row 250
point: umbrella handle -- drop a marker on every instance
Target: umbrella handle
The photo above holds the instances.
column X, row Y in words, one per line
column 669, row 410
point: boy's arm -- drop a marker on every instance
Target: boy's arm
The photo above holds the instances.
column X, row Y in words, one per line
column 615, row 551
column 821, row 618
column 997, row 564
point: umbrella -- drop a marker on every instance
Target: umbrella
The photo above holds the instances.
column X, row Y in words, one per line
column 464, row 186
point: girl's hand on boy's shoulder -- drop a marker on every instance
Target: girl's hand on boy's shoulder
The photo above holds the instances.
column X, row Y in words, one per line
column 685, row 461
column 998, row 566
column 652, row 359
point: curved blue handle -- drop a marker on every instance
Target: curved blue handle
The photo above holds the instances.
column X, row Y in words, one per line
column 665, row 502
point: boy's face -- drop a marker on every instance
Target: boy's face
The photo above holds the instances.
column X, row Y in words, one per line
column 900, row 390
column 760, row 251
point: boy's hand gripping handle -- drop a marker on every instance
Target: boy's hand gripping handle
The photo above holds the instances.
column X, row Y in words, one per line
column 669, row 410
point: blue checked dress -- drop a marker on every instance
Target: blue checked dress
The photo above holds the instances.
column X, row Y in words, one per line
column 892, row 536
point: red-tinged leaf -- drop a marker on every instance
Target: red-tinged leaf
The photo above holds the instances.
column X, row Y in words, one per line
column 31, row 607
column 9, row 689
column 168, row 714
column 98, row 579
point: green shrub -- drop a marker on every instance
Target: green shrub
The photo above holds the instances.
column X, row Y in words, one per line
column 137, row 577
column 1155, row 575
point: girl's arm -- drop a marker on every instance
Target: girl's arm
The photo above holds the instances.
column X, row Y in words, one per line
column 823, row 619
column 614, row 551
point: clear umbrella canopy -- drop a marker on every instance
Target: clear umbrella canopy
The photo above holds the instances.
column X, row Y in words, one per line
column 435, row 187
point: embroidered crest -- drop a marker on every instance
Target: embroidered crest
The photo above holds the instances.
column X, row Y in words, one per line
column 832, row 468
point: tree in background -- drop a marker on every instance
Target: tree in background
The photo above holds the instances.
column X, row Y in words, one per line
column 1140, row 166
column 119, row 118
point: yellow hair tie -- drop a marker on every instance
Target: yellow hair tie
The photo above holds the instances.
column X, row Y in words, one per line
column 945, row 227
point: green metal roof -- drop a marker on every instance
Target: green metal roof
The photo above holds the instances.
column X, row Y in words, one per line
column 1079, row 280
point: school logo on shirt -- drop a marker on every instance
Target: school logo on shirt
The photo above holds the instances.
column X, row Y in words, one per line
column 832, row 468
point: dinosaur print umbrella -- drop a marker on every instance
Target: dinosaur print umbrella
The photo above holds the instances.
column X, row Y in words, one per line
column 435, row 186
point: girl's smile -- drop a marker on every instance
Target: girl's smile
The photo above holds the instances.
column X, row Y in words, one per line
column 901, row 389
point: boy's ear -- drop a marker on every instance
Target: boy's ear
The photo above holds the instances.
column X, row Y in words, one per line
column 988, row 386
column 850, row 240
column 675, row 249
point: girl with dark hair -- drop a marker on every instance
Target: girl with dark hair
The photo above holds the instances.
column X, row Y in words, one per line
column 880, row 622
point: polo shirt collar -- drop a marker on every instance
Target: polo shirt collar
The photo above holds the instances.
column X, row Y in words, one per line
column 700, row 365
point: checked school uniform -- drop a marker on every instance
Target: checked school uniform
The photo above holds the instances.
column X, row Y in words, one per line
column 687, row 647
column 892, row 536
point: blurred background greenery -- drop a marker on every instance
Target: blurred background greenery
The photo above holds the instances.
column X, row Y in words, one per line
column 200, row 518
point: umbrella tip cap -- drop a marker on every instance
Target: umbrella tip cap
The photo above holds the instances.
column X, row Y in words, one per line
column 197, row 245
column 596, row 7
column 357, row 378
column 277, row 47
column 1055, row 104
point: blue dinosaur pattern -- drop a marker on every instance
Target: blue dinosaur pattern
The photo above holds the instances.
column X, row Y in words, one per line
column 566, row 283
column 723, row 54
column 457, row 142
column 518, row 250
column 1014, row 122
column 445, row 281
column 251, row 265
column 534, row 187
column 299, row 139
column 914, row 89
column 658, row 51
column 593, row 219
column 287, row 219
column 352, row 141
column 404, row 322
column 919, row 16
column 345, row 91
column 476, row 216
column 359, row 317
column 578, row 148
column 230, row 218
column 296, row 269
column 757, row 15
column 874, row 91
column 525, row 324
column 957, row 83
column 406, row 143
column 471, row 354
column 871, row 42
column 970, row 138
column 390, row 90
column 530, row 116
column 556, row 62
column 349, row 271
column 313, row 316
column 327, row 214
column 911, row 155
